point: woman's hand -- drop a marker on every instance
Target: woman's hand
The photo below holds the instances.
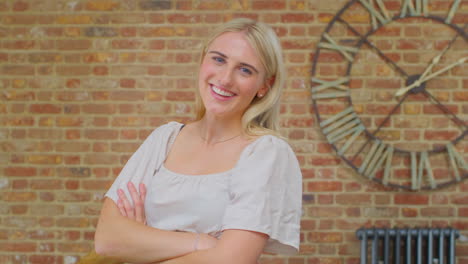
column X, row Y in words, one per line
column 137, row 212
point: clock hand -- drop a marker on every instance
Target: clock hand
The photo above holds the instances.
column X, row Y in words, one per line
column 434, row 61
column 426, row 78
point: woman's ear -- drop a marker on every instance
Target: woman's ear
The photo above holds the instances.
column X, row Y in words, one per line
column 264, row 90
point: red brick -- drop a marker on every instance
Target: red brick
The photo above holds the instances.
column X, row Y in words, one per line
column 297, row 18
column 20, row 6
column 440, row 135
column 411, row 199
column 463, row 212
column 46, row 184
column 127, row 83
column 127, row 44
column 45, row 109
column 20, row 19
column 459, row 199
column 102, row 5
column 19, row 196
column 268, row 5
column 20, row 171
column 83, row 44
column 45, row 159
column 79, row 70
column 323, row 161
column 41, row 259
column 102, row 159
column 328, row 237
column 73, row 222
column 437, row 212
column 327, row 186
column 353, row 199
column 325, row 212
column 101, row 70
column 127, row 96
column 180, row 96
column 101, row 134
column 17, row 247
column 72, row 185
column 18, row 209
column 17, row 70
column 74, row 19
column 97, row 185
column 325, row 199
column 184, row 18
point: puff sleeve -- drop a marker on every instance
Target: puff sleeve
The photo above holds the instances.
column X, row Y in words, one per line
column 146, row 160
column 266, row 194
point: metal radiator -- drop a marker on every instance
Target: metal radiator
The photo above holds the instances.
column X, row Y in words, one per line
column 407, row 245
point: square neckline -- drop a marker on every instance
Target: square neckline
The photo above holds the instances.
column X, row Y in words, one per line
column 171, row 143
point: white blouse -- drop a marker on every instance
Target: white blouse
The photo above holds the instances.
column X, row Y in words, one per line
column 262, row 193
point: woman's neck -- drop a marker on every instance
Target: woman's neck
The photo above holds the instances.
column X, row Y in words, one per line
column 216, row 130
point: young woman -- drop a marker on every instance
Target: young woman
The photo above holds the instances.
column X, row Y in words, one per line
column 224, row 188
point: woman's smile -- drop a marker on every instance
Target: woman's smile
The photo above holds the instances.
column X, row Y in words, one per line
column 220, row 93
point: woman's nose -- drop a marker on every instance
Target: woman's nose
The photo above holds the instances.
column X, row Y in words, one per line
column 225, row 77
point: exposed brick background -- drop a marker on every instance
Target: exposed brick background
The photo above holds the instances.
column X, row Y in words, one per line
column 82, row 83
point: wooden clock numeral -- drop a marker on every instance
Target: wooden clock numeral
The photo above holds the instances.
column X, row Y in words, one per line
column 379, row 14
column 344, row 50
column 340, row 126
column 456, row 161
column 338, row 84
column 418, row 9
column 417, row 170
column 378, row 154
column 452, row 11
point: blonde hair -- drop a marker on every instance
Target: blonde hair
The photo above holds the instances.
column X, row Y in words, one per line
column 262, row 116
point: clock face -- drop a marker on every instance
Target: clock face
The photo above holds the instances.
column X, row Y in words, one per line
column 389, row 89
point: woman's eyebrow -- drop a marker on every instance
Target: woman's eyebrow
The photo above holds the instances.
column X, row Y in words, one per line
column 224, row 56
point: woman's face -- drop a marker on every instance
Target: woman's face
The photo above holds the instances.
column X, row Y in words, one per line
column 230, row 76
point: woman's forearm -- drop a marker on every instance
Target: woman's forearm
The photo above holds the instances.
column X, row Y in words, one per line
column 234, row 247
column 127, row 240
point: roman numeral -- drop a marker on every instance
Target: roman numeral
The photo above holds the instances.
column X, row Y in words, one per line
column 414, row 10
column 325, row 85
column 341, row 125
column 379, row 152
column 417, row 170
column 452, row 11
column 456, row 160
column 379, row 14
column 344, row 50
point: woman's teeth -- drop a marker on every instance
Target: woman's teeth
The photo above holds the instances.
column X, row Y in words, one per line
column 221, row 92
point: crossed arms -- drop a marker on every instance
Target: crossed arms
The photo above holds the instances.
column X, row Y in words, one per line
column 121, row 233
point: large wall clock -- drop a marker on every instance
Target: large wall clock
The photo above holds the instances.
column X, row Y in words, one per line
column 390, row 90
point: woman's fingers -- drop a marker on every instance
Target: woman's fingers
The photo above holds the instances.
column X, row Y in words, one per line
column 142, row 192
column 142, row 198
column 121, row 208
column 126, row 205
column 137, row 210
column 138, row 203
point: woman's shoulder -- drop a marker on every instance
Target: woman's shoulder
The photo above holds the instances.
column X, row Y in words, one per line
column 167, row 128
column 267, row 145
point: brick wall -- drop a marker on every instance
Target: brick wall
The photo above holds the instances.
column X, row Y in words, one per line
column 83, row 83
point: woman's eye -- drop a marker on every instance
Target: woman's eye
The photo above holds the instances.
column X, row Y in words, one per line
column 218, row 59
column 246, row 71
